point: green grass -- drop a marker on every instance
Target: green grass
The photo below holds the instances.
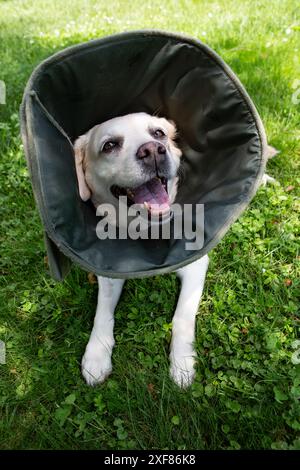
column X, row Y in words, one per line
column 246, row 394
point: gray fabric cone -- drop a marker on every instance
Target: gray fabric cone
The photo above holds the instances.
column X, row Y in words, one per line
column 155, row 72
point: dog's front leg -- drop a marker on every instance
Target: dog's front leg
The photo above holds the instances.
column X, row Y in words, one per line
column 182, row 355
column 96, row 362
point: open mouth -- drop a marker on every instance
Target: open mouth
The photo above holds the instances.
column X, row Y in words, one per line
column 153, row 195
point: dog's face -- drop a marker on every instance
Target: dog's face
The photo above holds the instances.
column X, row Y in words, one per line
column 133, row 155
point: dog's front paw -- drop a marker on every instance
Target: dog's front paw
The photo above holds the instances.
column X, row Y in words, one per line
column 182, row 370
column 96, row 364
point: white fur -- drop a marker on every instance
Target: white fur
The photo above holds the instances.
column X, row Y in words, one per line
column 120, row 167
column 97, row 172
column 96, row 362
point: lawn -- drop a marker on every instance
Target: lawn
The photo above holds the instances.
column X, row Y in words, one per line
column 247, row 388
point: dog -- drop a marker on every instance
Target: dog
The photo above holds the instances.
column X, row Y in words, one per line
column 136, row 156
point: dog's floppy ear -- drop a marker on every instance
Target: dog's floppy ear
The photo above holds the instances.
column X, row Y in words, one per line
column 171, row 126
column 173, row 135
column 80, row 155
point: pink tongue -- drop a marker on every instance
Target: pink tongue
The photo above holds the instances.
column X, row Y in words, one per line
column 154, row 194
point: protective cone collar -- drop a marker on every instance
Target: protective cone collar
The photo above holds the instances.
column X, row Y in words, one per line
column 155, row 72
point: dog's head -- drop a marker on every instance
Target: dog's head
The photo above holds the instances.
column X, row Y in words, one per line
column 133, row 155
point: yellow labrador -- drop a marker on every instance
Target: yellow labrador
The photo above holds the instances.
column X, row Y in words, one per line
column 136, row 156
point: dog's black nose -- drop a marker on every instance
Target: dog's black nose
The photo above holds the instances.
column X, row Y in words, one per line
column 151, row 150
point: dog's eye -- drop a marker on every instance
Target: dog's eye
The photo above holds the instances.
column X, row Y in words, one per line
column 159, row 133
column 109, row 146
